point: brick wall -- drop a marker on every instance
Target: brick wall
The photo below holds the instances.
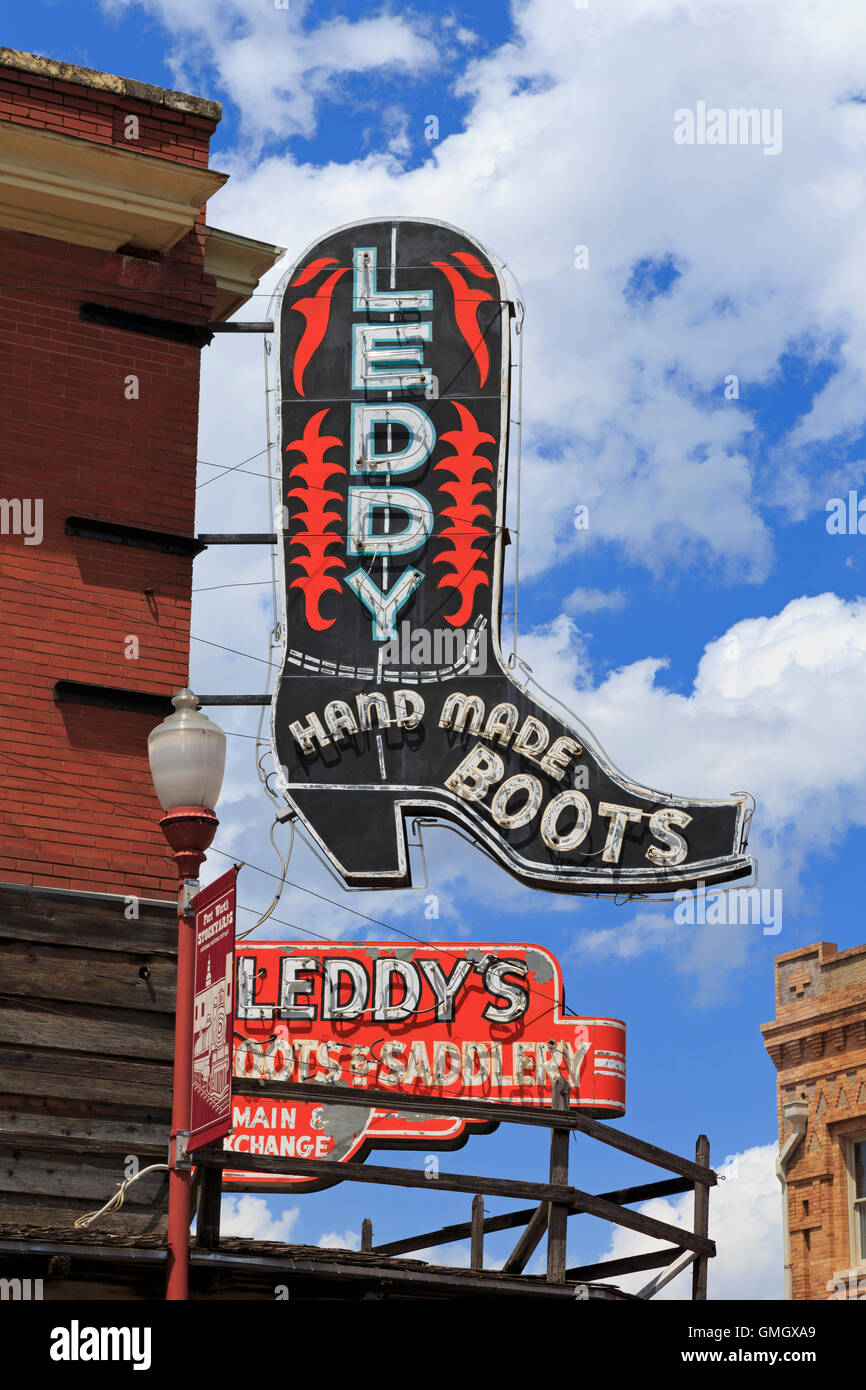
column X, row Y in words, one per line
column 77, row 802
column 69, row 108
column 818, row 1045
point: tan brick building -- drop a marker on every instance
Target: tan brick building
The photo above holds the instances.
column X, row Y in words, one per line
column 818, row 1045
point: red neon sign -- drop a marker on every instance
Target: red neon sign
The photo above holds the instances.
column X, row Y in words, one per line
column 469, row 1021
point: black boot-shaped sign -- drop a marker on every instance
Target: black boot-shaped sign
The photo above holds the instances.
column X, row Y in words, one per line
column 394, row 699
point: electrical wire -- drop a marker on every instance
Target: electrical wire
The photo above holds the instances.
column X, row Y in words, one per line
column 285, row 867
column 247, row 472
column 232, row 469
column 116, row 1202
column 293, row 926
column 233, row 650
column 240, row 584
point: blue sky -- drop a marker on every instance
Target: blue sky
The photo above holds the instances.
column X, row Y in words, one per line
column 706, row 625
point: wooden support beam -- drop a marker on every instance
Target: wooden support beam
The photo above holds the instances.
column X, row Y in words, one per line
column 366, row 1235
column 207, row 1230
column 630, row 1264
column 525, row 1247
column 702, row 1220
column 428, row 1240
column 645, row 1191
column 683, row 1260
column 329, row 1170
column 511, row 1220
column 195, row 1189
column 324, row 1169
column 537, row 1115
column 557, row 1214
column 476, row 1250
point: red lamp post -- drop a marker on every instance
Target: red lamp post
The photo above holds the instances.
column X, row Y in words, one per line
column 187, row 761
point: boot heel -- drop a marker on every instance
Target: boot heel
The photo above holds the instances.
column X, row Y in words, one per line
column 361, row 831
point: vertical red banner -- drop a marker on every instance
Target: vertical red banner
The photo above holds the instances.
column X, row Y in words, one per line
column 215, row 910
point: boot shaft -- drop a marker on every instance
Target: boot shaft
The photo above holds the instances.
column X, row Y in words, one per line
column 393, row 400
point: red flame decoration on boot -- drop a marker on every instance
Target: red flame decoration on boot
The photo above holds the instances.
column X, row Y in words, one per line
column 316, row 309
column 462, row 534
column 466, row 304
column 315, row 519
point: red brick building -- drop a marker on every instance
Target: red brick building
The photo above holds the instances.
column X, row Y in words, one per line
column 818, row 1045
column 110, row 274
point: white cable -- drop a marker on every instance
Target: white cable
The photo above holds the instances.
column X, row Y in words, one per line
column 116, row 1202
column 273, row 641
column 519, row 426
column 279, row 892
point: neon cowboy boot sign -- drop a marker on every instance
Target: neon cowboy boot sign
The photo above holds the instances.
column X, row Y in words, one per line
column 394, row 699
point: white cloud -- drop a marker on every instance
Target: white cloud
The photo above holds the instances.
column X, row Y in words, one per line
column 349, row 1240
column 277, row 64
column 592, row 601
column 568, row 141
column 252, row 1218
column 396, row 123
column 648, row 931
column 745, row 1223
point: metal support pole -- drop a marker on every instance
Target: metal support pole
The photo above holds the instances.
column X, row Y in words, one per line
column 180, row 1174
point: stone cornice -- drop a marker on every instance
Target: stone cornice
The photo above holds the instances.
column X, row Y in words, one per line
column 91, row 194
column 237, row 264
column 840, row 1031
column 847, row 1012
column 51, row 70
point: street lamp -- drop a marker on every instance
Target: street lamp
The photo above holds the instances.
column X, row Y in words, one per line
column 187, row 753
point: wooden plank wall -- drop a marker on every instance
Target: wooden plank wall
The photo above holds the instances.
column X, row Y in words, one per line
column 86, row 1042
